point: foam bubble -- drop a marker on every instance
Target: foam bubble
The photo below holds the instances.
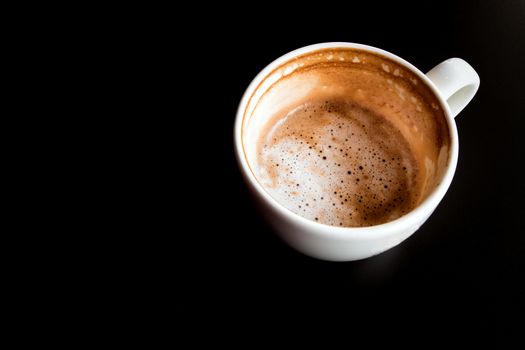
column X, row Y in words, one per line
column 334, row 162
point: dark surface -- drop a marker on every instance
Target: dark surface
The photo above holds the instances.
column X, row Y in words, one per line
column 466, row 265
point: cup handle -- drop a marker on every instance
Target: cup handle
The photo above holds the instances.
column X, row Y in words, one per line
column 456, row 81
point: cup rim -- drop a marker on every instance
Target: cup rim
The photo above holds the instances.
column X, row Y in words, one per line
column 421, row 211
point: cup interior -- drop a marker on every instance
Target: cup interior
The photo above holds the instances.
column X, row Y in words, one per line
column 287, row 84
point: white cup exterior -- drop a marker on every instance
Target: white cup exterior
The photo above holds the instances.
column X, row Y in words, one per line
column 453, row 80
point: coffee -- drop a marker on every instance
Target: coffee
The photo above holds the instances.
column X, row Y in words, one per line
column 350, row 138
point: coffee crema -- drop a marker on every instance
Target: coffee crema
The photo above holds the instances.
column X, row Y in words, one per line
column 348, row 138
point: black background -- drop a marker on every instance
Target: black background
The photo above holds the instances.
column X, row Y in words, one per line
column 466, row 265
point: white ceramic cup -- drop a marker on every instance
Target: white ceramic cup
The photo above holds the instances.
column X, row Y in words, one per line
column 454, row 82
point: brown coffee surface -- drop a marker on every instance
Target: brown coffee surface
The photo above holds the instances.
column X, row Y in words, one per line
column 357, row 152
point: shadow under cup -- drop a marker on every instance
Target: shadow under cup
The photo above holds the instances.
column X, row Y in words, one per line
column 378, row 86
